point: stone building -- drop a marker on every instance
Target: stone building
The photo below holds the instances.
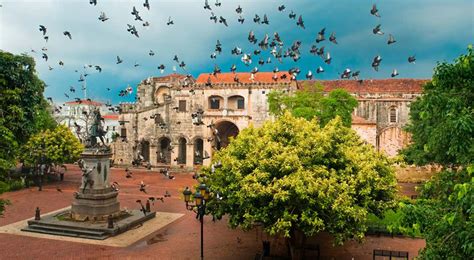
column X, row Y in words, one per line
column 180, row 121
column 79, row 112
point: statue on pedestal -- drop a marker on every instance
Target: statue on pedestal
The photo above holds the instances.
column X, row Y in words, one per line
column 96, row 130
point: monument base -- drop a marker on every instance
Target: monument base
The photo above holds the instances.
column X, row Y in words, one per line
column 62, row 225
column 96, row 204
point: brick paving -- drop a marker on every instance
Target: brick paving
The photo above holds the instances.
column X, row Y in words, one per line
column 178, row 240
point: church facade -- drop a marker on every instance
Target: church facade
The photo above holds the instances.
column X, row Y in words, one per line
column 178, row 121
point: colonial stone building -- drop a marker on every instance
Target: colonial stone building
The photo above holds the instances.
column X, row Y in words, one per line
column 180, row 121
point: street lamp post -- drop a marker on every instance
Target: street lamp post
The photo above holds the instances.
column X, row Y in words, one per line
column 200, row 198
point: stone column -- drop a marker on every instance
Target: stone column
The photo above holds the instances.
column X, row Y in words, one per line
column 190, row 155
column 153, row 154
column 174, row 155
column 207, row 148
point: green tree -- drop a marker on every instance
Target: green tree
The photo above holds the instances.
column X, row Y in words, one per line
column 292, row 176
column 442, row 119
column 56, row 146
column 23, row 109
column 442, row 128
column 310, row 103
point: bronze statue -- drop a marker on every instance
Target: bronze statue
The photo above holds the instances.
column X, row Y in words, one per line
column 96, row 129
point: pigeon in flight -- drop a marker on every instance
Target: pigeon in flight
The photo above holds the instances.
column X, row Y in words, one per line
column 170, row 22
column 377, row 30
column 346, row 74
column 98, row 68
column 146, row 23
column 218, row 4
column 218, row 47
column 238, row 10
column 162, row 68
column 61, row 63
column 66, row 95
column 223, row 21
column 394, row 73
column 93, row 2
column 292, row 15
column 320, row 36
column 374, row 11
column 43, row 29
column 332, row 38
column 213, row 17
column 319, row 70
column 241, row 20
column 328, row 58
column 300, row 22
column 355, row 75
column 309, row 75
column 45, row 56
column 103, row 17
column 376, row 62
column 233, row 68
column 281, row 8
column 68, row 34
column 252, row 38
column 147, row 5
column 151, row 53
column 412, row 59
column 206, row 5
column 46, row 38
column 391, row 39
column 265, row 20
column 119, row 60
column 256, row 19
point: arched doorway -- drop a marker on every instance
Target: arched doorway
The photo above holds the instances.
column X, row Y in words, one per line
column 198, row 151
column 182, row 150
column 224, row 130
column 145, row 150
column 164, row 153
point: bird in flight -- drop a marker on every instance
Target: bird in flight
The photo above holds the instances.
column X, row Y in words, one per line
column 147, row 5
column 170, row 22
column 391, row 39
column 374, row 11
column 300, row 22
column 206, row 5
column 43, row 29
column 68, row 34
column 103, row 17
column 119, row 60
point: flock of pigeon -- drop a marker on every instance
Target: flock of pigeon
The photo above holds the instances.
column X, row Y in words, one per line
column 273, row 45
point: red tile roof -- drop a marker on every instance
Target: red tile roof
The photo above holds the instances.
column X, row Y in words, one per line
column 111, row 116
column 372, row 85
column 85, row 102
column 244, row 77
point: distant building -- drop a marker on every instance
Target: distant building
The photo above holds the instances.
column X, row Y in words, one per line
column 164, row 125
column 79, row 112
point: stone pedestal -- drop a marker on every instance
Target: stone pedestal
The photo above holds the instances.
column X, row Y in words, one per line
column 95, row 200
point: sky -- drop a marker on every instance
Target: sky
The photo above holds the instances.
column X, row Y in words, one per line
column 433, row 30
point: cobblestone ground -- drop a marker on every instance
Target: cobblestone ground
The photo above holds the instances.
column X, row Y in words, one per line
column 178, row 240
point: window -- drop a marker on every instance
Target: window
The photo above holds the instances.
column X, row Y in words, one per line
column 393, row 115
column 123, row 132
column 182, row 106
column 240, row 103
column 215, row 103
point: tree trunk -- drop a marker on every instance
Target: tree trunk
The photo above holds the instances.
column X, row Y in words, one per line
column 296, row 244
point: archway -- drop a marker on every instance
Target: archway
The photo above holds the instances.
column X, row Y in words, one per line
column 225, row 130
column 164, row 153
column 391, row 140
column 182, row 150
column 145, row 150
column 198, row 151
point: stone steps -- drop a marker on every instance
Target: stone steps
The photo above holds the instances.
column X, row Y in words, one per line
column 67, row 231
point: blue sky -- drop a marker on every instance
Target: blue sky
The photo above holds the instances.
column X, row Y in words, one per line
column 433, row 30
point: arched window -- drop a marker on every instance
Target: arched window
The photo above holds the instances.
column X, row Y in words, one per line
column 236, row 102
column 215, row 102
column 393, row 115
